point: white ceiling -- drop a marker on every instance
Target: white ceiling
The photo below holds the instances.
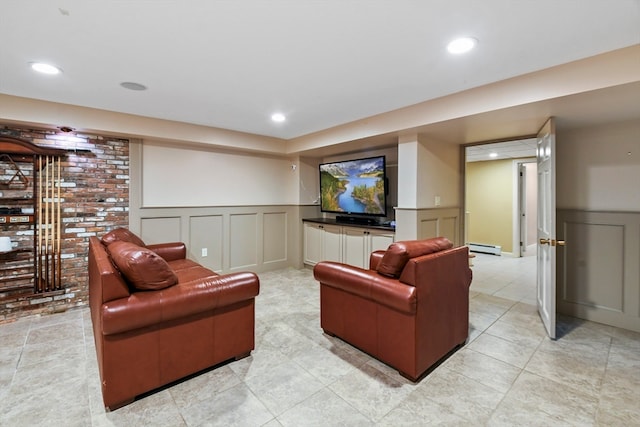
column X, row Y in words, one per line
column 231, row 64
column 523, row 148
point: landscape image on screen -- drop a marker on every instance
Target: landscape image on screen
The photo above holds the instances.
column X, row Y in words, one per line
column 354, row 186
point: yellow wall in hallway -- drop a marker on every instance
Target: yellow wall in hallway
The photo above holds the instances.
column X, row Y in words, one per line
column 489, row 203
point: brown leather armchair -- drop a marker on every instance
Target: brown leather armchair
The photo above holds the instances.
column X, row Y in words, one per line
column 158, row 316
column 409, row 310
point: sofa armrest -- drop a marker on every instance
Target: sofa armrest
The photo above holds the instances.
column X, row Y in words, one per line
column 148, row 308
column 367, row 284
column 105, row 281
column 170, row 251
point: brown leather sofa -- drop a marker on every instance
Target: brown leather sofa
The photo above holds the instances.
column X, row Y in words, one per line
column 158, row 317
column 409, row 310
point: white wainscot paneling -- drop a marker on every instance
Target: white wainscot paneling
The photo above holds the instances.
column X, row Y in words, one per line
column 598, row 274
column 160, row 229
column 243, row 243
column 229, row 238
column 274, row 240
column 206, row 238
column 595, row 267
column 439, row 222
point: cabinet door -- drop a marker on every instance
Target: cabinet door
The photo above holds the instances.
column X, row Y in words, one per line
column 380, row 240
column 355, row 246
column 332, row 239
column 313, row 242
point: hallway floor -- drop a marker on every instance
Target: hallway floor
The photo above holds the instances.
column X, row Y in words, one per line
column 509, row 373
column 506, row 276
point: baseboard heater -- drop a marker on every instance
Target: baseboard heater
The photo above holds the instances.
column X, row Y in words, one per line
column 485, row 249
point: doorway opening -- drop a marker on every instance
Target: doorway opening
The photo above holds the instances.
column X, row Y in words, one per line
column 500, row 181
column 501, row 196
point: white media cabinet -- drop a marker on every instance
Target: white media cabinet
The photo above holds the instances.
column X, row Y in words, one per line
column 328, row 240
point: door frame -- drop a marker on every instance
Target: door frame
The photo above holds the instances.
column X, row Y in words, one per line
column 519, row 206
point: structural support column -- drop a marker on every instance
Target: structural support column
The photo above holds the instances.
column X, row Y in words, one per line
column 408, row 187
column 429, row 196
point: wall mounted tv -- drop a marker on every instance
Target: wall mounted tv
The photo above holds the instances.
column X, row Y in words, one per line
column 354, row 187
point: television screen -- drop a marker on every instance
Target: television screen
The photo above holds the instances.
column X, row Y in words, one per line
column 354, row 187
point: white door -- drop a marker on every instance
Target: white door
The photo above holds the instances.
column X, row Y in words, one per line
column 546, row 275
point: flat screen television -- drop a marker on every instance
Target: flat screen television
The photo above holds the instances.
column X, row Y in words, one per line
column 354, row 187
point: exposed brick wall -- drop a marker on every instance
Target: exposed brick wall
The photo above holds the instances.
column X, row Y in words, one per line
column 95, row 199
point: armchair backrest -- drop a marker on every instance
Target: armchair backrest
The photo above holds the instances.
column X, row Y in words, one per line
column 449, row 265
column 410, row 261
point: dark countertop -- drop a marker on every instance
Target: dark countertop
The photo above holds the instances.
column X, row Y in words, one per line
column 332, row 221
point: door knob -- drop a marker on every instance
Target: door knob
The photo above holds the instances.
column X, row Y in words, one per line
column 559, row 242
column 545, row 241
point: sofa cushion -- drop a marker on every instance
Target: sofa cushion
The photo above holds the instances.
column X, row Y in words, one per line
column 143, row 268
column 121, row 235
column 399, row 253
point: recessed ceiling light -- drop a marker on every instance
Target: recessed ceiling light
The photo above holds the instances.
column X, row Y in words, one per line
column 41, row 67
column 462, row 45
column 133, row 86
column 278, row 117
column 493, row 155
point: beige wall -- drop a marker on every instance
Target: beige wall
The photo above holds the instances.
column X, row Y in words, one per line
column 309, row 191
column 489, row 203
column 599, row 168
column 426, row 169
column 214, row 177
column 440, row 174
column 598, row 274
column 244, row 221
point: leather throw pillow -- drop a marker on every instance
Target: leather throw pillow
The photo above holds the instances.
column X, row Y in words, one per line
column 121, row 235
column 142, row 268
column 394, row 260
column 399, row 253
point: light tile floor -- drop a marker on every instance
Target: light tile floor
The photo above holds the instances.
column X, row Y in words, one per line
column 507, row 374
column 506, row 277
